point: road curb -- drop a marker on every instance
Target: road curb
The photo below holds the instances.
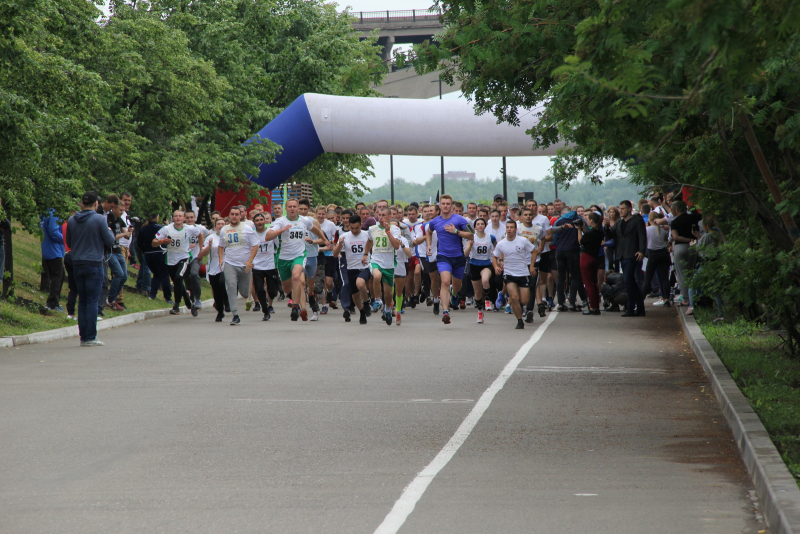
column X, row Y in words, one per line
column 776, row 488
column 72, row 331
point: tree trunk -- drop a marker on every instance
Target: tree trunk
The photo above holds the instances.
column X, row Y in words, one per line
column 8, row 279
column 766, row 173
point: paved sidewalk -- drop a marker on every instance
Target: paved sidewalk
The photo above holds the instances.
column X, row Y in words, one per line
column 186, row 425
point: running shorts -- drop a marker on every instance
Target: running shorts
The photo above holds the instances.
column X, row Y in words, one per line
column 476, row 270
column 544, row 262
column 521, row 281
column 413, row 261
column 354, row 274
column 285, row 266
column 429, row 266
column 330, row 266
column 400, row 270
column 454, row 265
column 387, row 276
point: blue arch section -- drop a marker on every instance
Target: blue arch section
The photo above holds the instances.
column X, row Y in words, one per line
column 294, row 131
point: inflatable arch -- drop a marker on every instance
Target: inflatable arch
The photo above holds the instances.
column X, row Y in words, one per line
column 314, row 124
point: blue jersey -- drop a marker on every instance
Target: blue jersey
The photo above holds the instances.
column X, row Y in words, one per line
column 450, row 244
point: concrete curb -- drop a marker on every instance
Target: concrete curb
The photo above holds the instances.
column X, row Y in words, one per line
column 776, row 488
column 72, row 331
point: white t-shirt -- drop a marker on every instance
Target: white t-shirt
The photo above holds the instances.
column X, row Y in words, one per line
column 329, row 229
column 657, row 237
column 422, row 248
column 498, row 234
column 534, row 232
column 516, row 256
column 265, row 256
column 178, row 249
column 292, row 243
column 402, row 258
column 353, row 248
column 213, row 258
column 238, row 242
column 194, row 240
column 481, row 251
column 383, row 253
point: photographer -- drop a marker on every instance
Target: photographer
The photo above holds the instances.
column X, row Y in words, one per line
column 591, row 240
column 682, row 227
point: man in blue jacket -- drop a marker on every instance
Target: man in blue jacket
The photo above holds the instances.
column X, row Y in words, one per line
column 52, row 260
column 88, row 236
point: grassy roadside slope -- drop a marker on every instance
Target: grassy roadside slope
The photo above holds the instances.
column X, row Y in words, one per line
column 19, row 319
column 766, row 374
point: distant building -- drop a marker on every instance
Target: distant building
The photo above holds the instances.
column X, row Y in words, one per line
column 455, row 175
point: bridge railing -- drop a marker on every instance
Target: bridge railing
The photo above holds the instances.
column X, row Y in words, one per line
column 409, row 15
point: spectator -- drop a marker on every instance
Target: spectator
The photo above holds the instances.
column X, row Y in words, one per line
column 591, row 242
column 658, row 259
column 682, row 226
column 155, row 258
column 104, row 209
column 706, row 244
column 117, row 263
column 631, row 245
column 72, row 296
column 87, row 234
column 611, row 220
column 52, row 260
column 568, row 252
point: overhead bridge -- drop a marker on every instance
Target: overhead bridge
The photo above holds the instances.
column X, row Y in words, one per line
column 412, row 26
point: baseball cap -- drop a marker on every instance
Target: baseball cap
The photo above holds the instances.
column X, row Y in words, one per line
column 498, row 196
column 514, row 206
column 89, row 198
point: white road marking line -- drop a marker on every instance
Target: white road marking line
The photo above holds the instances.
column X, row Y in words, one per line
column 609, row 370
column 415, row 401
column 586, row 494
column 413, row 492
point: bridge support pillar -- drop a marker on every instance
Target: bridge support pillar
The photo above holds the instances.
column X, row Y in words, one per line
column 387, row 43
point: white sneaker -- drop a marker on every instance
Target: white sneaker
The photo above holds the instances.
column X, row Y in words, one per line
column 469, row 301
column 99, row 318
column 92, row 343
column 198, row 304
column 660, row 302
column 480, row 318
column 314, row 317
column 73, row 317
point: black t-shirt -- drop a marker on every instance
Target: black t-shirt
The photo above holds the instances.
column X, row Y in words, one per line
column 117, row 226
column 591, row 241
column 683, row 224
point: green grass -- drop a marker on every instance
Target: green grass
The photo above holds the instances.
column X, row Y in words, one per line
column 766, row 374
column 19, row 320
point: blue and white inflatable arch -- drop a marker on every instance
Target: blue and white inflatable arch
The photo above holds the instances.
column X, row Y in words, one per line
column 314, row 124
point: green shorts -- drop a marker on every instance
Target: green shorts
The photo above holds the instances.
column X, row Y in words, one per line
column 387, row 276
column 285, row 266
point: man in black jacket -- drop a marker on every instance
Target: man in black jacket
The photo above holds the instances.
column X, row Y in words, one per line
column 631, row 240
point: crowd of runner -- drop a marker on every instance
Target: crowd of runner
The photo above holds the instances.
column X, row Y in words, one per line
column 520, row 260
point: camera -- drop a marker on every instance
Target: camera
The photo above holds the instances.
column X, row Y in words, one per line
column 578, row 222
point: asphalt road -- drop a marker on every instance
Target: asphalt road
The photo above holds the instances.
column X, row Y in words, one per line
column 181, row 425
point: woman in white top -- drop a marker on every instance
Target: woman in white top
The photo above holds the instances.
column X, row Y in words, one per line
column 214, row 273
column 658, row 260
column 480, row 251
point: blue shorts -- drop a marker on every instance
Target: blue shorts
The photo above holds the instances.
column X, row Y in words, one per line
column 311, row 267
column 451, row 265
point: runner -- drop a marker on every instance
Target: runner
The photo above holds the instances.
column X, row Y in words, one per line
column 427, row 259
column 177, row 236
column 323, row 283
column 312, row 258
column 533, row 233
column 195, row 244
column 519, row 260
column 291, row 230
column 400, row 274
column 354, row 243
column 414, row 279
column 480, row 257
column 214, row 273
column 545, row 263
column 384, row 240
column 450, row 260
column 264, row 271
column 238, row 244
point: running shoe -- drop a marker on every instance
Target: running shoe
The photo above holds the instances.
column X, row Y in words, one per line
column 488, row 305
column 470, row 301
column 290, row 303
column 324, row 310
column 509, row 309
column 235, row 321
column 446, row 317
column 363, row 318
column 453, row 302
column 271, row 310
column 175, row 311
column 367, row 310
column 170, row 302
column 500, row 302
column 480, row 317
column 422, row 298
column 520, row 325
column 257, row 307
column 387, row 316
column 220, row 317
column 529, row 317
column 462, row 305
column 346, row 315
column 304, row 314
column 194, row 311
column 314, row 317
column 92, row 343
column 551, row 303
column 429, row 301
column 266, row 317
column 295, row 313
column 282, row 296
column 332, row 304
column 397, row 322
column 412, row 303
column 436, row 308
column 248, row 305
column 542, row 308
column 377, row 305
column 661, row 303
column 199, row 304
column 74, row 318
